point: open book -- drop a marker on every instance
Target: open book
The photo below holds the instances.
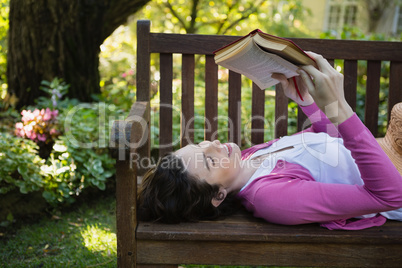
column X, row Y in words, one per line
column 258, row 55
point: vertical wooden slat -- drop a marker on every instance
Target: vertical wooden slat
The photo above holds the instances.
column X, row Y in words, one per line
column 143, row 60
column 234, row 126
column 143, row 77
column 281, row 112
column 187, row 100
column 165, row 113
column 211, row 98
column 372, row 96
column 350, row 82
column 302, row 120
column 257, row 115
column 395, row 86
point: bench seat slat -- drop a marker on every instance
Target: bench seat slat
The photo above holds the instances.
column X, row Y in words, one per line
column 269, row 254
column 243, row 227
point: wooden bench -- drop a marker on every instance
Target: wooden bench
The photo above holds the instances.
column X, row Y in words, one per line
column 241, row 239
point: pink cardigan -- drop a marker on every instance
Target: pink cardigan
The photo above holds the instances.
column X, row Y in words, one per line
column 291, row 196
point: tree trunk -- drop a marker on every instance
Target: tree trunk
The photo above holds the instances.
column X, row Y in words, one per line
column 60, row 38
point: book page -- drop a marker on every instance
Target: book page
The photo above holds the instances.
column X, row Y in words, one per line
column 259, row 65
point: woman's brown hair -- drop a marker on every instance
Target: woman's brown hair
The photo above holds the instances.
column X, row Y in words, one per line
column 169, row 194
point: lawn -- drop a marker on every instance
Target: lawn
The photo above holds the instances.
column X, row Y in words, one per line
column 84, row 236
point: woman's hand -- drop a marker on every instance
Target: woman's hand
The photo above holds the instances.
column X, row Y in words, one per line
column 290, row 90
column 325, row 85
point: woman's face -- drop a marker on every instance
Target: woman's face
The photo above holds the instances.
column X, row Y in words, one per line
column 214, row 162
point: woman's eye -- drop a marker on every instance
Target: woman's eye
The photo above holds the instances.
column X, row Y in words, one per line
column 212, row 161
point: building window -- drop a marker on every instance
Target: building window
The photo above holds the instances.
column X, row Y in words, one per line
column 341, row 13
column 397, row 27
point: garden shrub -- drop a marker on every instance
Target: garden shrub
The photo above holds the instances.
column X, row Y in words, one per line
column 20, row 165
column 78, row 134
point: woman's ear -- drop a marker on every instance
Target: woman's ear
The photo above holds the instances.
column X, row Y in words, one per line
column 220, row 196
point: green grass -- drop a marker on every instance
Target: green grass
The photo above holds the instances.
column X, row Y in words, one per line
column 85, row 237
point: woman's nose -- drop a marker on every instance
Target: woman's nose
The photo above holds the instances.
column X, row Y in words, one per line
column 216, row 144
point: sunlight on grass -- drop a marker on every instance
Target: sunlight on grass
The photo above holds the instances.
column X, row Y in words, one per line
column 100, row 240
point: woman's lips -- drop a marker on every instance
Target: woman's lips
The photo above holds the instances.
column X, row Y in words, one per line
column 228, row 148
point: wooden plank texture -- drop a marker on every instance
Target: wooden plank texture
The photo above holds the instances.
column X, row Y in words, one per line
column 234, row 116
column 125, row 214
column 350, row 82
column 269, row 254
column 143, row 61
column 281, row 112
column 372, row 96
column 166, row 103
column 187, row 100
column 211, row 98
column 330, row 49
column 257, row 115
column 395, row 85
column 243, row 227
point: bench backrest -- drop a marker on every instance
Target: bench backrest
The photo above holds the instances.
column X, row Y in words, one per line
column 189, row 46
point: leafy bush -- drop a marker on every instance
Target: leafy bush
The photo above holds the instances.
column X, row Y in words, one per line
column 79, row 159
column 20, row 165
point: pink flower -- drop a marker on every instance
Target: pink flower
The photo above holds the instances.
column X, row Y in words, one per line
column 38, row 125
column 53, row 131
column 42, row 137
column 19, row 125
column 123, row 75
column 47, row 115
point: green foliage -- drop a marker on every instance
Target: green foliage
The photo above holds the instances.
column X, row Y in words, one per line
column 117, row 68
column 226, row 17
column 56, row 89
column 79, row 160
column 70, row 170
column 20, row 165
column 4, row 10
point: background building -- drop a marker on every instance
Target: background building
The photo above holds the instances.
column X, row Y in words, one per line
column 379, row 16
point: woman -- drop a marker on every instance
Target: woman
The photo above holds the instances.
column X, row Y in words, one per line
column 333, row 173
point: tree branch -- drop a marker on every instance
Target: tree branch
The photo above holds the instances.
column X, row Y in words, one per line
column 181, row 21
column 244, row 16
column 116, row 13
column 194, row 11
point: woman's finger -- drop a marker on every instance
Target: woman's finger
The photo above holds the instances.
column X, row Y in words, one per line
column 308, row 82
column 322, row 63
column 281, row 78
